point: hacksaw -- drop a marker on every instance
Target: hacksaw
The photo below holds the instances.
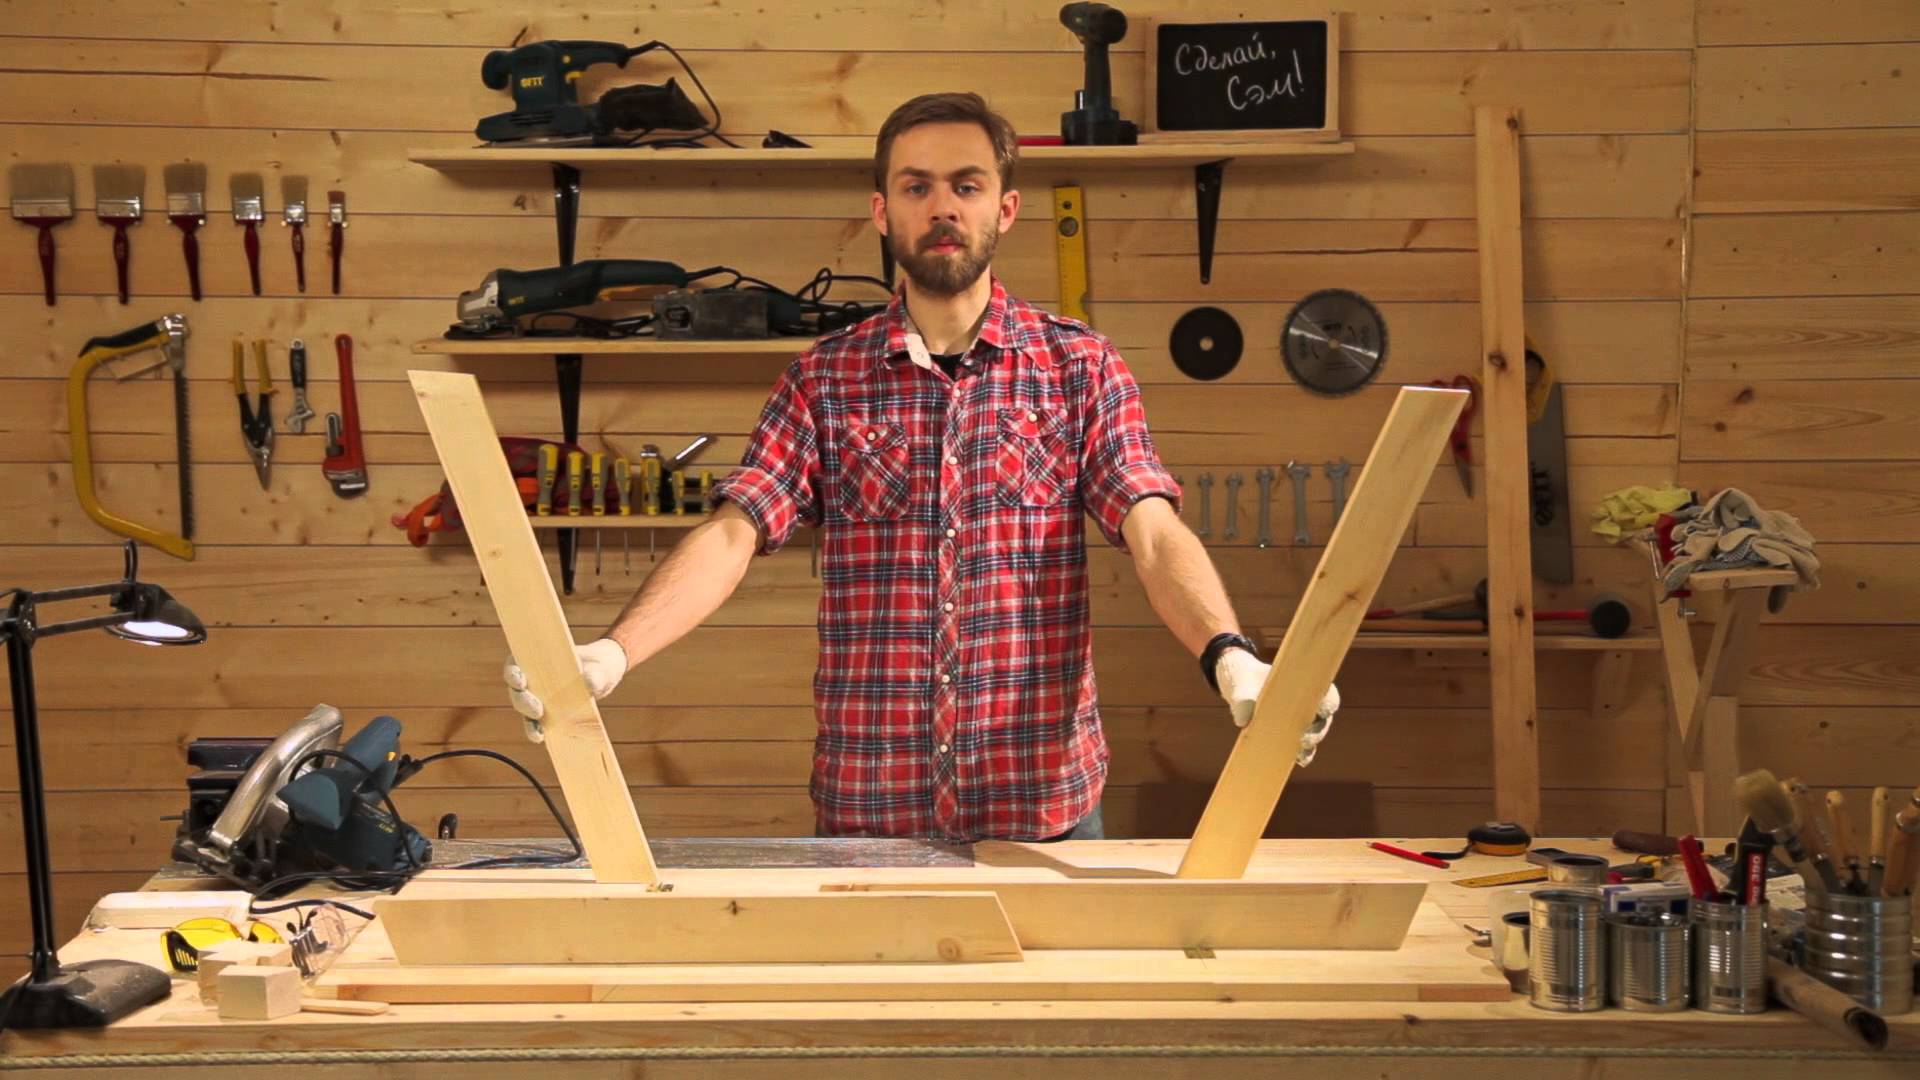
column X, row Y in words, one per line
column 169, row 335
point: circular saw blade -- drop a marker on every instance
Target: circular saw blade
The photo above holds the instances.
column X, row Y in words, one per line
column 1334, row 342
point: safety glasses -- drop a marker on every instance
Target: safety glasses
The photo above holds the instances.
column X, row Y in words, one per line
column 185, row 942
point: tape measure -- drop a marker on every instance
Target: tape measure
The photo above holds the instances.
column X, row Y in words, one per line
column 1070, row 251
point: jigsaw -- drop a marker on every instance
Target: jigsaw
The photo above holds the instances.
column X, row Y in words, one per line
column 547, row 110
column 261, row 810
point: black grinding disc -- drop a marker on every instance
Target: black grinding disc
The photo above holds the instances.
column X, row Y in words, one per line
column 1206, row 343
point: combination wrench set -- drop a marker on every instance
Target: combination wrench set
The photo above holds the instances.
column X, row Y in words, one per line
column 1263, row 478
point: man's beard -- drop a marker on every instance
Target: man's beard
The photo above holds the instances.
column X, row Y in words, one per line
column 944, row 273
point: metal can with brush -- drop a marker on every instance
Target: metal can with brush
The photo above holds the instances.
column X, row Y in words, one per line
column 1862, row 946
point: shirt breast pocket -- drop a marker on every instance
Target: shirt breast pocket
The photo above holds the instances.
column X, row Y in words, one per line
column 874, row 460
column 1035, row 459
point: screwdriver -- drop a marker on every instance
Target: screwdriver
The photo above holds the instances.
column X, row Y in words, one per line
column 549, row 466
column 599, row 472
column 622, row 481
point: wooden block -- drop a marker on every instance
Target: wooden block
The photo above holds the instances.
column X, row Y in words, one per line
column 1321, row 631
column 259, row 992
column 1184, row 914
column 163, row 910
column 535, row 626
column 231, row 954
column 600, row 924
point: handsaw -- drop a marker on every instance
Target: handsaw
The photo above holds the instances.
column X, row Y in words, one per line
column 169, row 335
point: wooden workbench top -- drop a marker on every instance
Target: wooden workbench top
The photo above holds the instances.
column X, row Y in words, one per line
column 941, row 1038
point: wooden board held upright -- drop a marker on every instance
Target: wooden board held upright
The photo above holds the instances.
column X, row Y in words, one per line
column 536, row 627
column 1322, row 630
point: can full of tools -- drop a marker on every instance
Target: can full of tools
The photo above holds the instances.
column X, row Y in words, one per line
column 1649, row 961
column 1567, row 961
column 1729, row 957
column 1862, row 946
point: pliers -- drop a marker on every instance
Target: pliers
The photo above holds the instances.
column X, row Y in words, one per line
column 256, row 421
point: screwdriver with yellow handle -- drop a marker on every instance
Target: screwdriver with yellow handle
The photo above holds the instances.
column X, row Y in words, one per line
column 549, row 468
column 598, row 471
column 575, row 462
column 623, row 486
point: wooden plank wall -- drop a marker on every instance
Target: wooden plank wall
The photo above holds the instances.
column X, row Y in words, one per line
column 1802, row 377
column 316, row 599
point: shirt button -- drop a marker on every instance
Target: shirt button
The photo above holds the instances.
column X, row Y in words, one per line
column 949, row 605
column 1030, row 417
column 944, row 748
column 952, row 460
column 946, row 679
column 951, row 533
column 872, row 435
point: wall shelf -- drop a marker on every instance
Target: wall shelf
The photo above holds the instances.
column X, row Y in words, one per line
column 585, row 522
column 1168, row 153
column 1470, row 642
column 547, row 346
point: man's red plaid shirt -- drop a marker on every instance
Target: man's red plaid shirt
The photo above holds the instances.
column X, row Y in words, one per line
column 955, row 692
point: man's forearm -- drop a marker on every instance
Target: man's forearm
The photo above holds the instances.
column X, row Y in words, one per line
column 688, row 585
column 1182, row 585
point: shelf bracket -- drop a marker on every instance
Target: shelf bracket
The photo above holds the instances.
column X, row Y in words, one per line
column 567, row 366
column 1208, row 177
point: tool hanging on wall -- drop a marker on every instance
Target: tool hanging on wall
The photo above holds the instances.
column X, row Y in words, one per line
column 43, row 198
column 598, row 473
column 297, row 370
column 549, row 469
column 187, row 209
column 336, row 232
column 1333, row 342
column 1298, row 472
column 169, row 335
column 1551, row 535
column 256, row 421
column 293, row 193
column 119, row 192
column 249, row 210
column 345, row 465
column 1461, row 438
column 1206, row 343
column 1070, row 251
column 1337, row 477
column 623, row 487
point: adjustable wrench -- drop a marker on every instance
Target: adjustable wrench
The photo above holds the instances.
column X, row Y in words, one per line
column 1232, row 531
column 1264, row 477
column 1337, row 476
column 1299, row 473
column 1206, row 506
column 302, row 412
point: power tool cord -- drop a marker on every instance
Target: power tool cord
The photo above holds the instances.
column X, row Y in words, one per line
column 684, row 141
column 819, row 315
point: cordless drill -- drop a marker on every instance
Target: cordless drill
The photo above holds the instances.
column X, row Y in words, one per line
column 1094, row 121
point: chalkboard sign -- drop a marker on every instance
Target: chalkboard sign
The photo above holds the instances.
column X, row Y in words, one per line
column 1239, row 78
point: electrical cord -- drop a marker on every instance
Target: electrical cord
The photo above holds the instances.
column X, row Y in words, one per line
column 683, row 142
column 816, row 314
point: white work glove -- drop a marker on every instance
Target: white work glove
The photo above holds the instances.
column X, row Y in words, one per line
column 1241, row 675
column 603, row 663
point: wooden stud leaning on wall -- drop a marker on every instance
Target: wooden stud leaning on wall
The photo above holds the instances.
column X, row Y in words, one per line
column 536, row 627
column 1322, row 630
column 1503, row 414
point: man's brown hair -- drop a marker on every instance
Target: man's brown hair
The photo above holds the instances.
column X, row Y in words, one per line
column 950, row 108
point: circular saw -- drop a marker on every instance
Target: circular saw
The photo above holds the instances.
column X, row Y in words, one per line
column 1333, row 342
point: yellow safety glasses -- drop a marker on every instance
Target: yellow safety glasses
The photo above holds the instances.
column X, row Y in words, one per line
column 185, row 942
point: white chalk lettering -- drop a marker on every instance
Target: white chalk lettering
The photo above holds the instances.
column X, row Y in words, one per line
column 1190, row 58
column 1244, row 96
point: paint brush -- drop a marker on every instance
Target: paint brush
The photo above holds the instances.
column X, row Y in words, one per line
column 1767, row 803
column 43, row 198
column 119, row 192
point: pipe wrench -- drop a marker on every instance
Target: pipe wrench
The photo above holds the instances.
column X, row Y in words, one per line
column 346, row 463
